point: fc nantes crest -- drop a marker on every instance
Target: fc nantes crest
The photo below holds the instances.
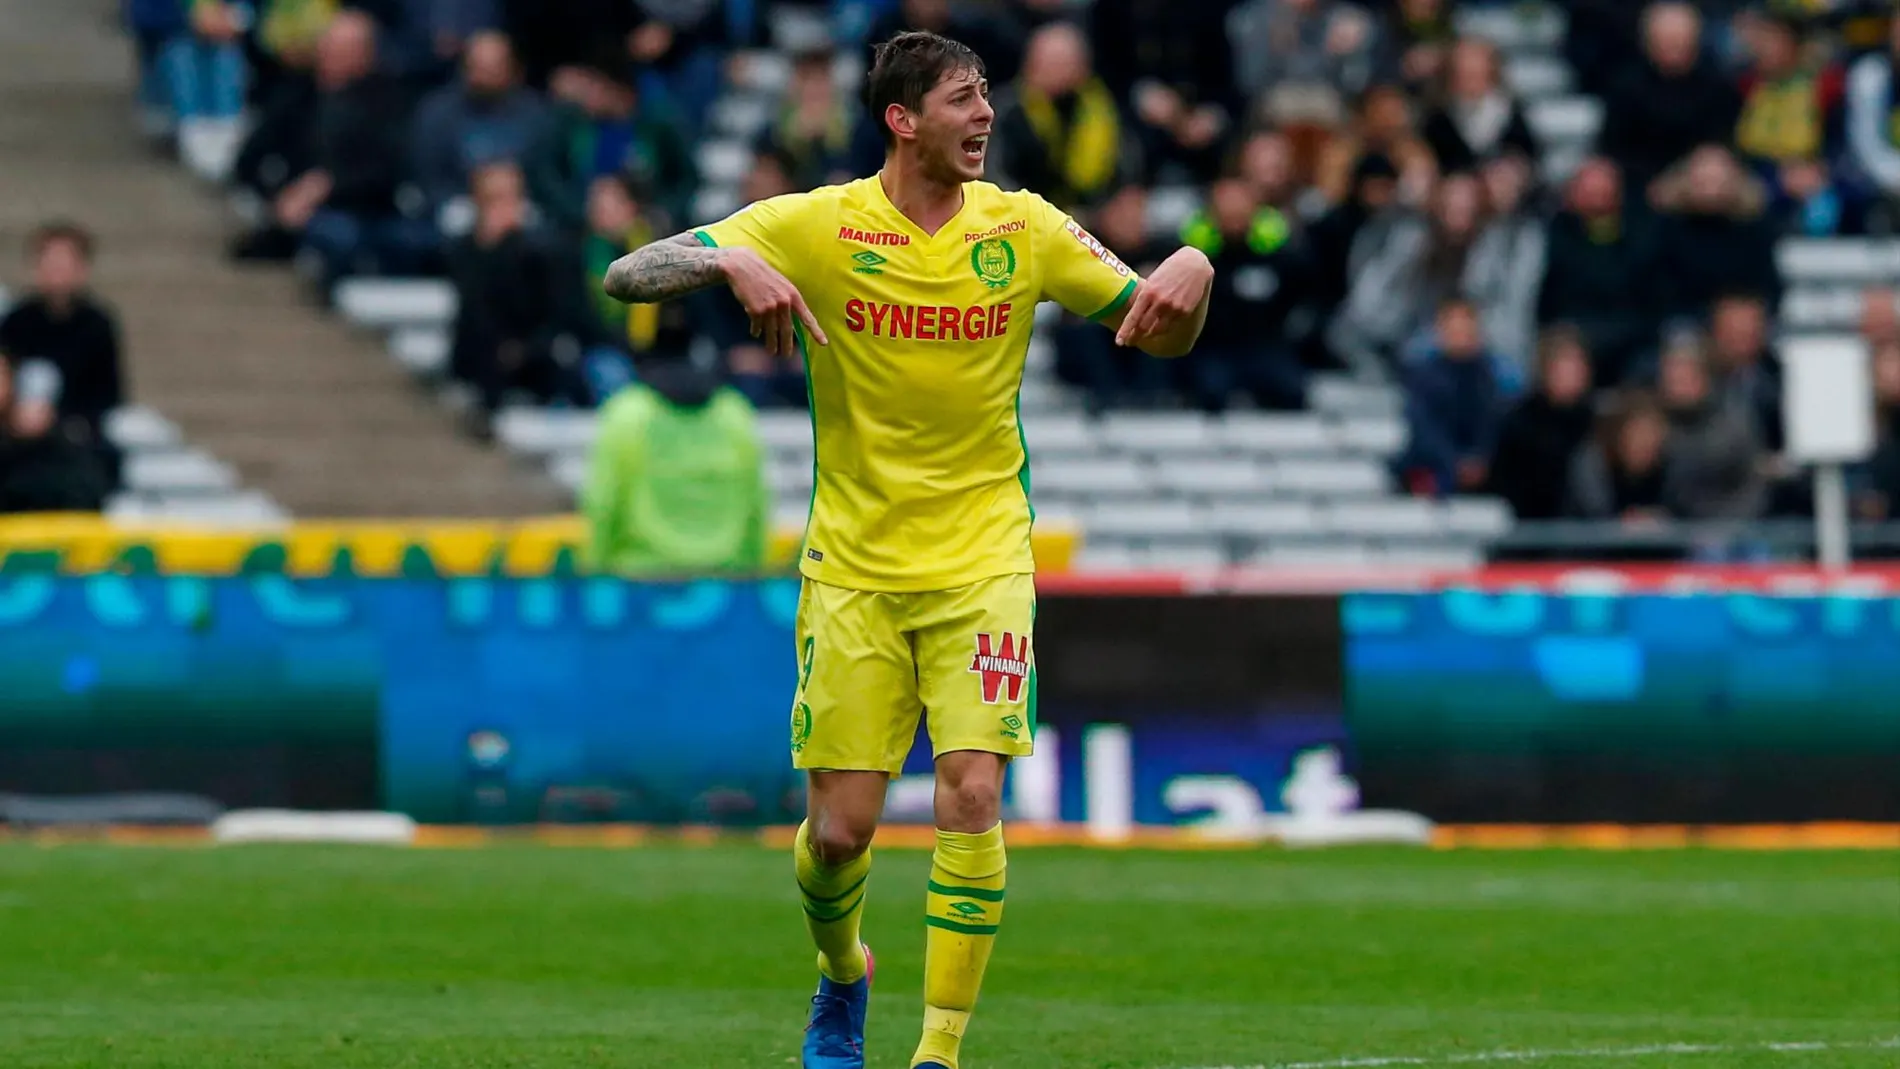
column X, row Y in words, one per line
column 994, row 262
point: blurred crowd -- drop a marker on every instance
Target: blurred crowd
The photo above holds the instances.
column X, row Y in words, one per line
column 1372, row 191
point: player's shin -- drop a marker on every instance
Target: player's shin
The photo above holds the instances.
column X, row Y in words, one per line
column 965, row 908
column 834, row 905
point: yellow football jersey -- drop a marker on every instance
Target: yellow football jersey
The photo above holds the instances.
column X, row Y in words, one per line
column 922, row 479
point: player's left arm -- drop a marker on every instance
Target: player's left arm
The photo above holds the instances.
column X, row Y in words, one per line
column 1169, row 308
column 1162, row 314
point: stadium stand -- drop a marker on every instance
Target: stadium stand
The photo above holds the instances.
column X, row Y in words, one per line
column 1158, row 485
column 245, row 406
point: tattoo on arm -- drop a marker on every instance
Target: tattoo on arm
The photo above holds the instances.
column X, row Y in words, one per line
column 672, row 267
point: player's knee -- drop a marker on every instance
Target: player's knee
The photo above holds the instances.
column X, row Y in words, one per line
column 970, row 805
column 837, row 841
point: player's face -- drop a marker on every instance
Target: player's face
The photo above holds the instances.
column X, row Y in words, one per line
column 953, row 128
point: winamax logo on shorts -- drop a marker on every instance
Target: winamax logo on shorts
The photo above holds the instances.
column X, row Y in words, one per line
column 1002, row 664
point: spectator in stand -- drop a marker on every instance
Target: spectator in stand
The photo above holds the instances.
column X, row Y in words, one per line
column 206, row 73
column 1873, row 125
column 42, row 469
column 1717, row 237
column 1876, row 483
column 1382, row 127
column 1087, row 357
column 1259, row 265
column 767, row 381
column 1479, row 120
column 676, row 46
column 63, row 342
column 152, row 24
column 606, row 128
column 1508, row 260
column 1299, row 64
column 1790, row 126
column 486, row 118
column 1600, row 271
column 610, row 332
column 1623, row 474
column 341, row 206
column 1171, row 68
column 1747, row 372
column 1601, row 41
column 1454, row 406
column 1542, row 434
column 1370, row 207
column 992, row 35
column 552, row 34
column 509, row 300
column 820, row 132
column 281, row 146
column 1715, row 459
column 1265, row 162
column 1420, row 264
column 1880, row 315
column 1418, row 37
column 676, row 483
column 1060, row 132
column 1672, row 101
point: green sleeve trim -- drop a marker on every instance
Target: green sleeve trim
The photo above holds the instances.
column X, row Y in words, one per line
column 1120, row 299
column 705, row 239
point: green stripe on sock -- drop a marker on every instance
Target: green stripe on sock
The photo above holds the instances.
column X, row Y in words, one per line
column 825, row 917
column 982, row 894
column 816, row 900
column 961, row 928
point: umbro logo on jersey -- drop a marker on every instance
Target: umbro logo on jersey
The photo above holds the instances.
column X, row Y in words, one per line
column 869, row 263
column 872, row 237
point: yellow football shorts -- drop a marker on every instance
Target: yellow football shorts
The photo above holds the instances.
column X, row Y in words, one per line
column 870, row 664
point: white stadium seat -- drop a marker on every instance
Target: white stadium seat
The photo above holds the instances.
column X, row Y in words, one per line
column 178, row 472
column 1346, row 395
column 1515, row 27
column 1377, row 436
column 1157, row 433
column 1486, row 517
column 1054, row 433
column 387, row 303
column 1330, row 478
column 1810, row 309
column 1247, row 432
column 1146, row 519
column 1567, row 120
column 1840, row 260
column 135, row 428
column 1107, row 476
column 742, row 115
column 724, row 162
column 569, row 470
column 1536, row 76
column 1199, row 555
column 1264, row 519
column 421, row 350
column 544, row 431
column 1397, row 516
column 786, row 431
column 1220, row 476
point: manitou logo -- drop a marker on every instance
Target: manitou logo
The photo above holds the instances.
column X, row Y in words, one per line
column 1001, row 664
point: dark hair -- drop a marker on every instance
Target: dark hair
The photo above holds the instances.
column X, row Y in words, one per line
column 58, row 231
column 909, row 65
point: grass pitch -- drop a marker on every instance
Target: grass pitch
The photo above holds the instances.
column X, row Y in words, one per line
column 696, row 958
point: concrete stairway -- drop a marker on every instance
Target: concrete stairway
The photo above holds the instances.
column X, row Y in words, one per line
column 305, row 408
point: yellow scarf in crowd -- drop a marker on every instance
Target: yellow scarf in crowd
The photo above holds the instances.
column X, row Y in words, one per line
column 1086, row 152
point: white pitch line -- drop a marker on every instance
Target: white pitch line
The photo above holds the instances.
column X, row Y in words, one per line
column 1590, row 1052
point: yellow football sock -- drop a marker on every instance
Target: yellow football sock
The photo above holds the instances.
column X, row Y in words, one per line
column 834, row 904
column 965, row 907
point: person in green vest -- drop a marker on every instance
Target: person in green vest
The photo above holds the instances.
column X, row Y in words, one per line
column 676, row 485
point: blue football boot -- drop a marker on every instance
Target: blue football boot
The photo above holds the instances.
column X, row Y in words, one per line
column 834, row 1038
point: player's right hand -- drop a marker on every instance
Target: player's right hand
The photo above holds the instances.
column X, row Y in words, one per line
column 770, row 301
